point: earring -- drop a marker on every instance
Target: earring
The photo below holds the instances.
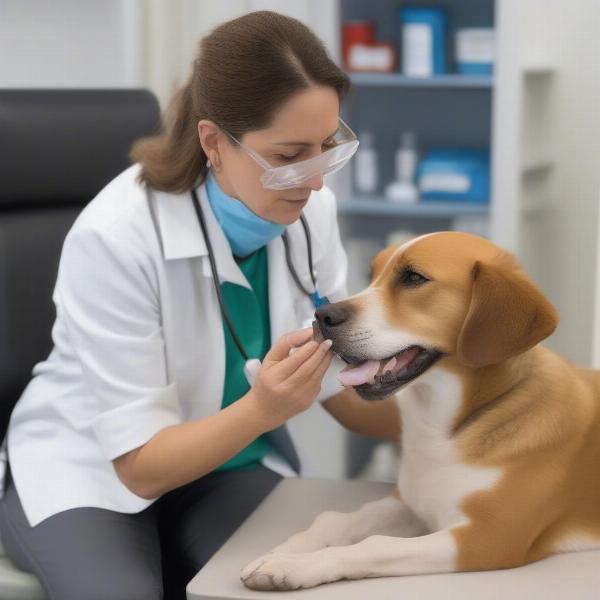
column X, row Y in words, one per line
column 208, row 165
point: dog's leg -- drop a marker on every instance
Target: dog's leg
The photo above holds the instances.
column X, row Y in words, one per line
column 376, row 556
column 388, row 516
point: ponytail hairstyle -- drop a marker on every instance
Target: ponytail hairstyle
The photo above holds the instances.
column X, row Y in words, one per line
column 246, row 69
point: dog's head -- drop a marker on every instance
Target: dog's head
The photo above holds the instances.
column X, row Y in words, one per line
column 445, row 294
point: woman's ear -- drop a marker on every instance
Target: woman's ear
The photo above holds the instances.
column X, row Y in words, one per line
column 507, row 315
column 209, row 133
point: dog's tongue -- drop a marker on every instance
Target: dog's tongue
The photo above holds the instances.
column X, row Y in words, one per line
column 360, row 374
column 365, row 372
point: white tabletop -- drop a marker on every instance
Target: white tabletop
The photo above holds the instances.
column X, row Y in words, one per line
column 294, row 503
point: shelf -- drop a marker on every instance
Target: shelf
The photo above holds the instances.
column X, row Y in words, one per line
column 427, row 209
column 538, row 69
column 537, row 166
column 538, row 207
column 439, row 81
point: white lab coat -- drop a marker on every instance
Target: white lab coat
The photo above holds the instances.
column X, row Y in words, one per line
column 138, row 339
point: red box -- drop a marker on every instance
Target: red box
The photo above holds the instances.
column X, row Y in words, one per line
column 356, row 32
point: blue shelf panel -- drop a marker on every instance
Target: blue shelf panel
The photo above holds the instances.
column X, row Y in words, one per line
column 377, row 206
column 443, row 81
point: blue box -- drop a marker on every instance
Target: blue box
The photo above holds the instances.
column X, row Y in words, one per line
column 474, row 68
column 461, row 175
column 425, row 27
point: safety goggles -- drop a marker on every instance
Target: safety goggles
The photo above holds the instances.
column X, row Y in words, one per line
column 343, row 146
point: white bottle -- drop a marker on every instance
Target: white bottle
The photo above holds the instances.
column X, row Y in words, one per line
column 403, row 189
column 365, row 165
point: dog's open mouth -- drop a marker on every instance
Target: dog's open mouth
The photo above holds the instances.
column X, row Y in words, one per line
column 378, row 378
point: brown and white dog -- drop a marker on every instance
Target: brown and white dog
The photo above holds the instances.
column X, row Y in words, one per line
column 500, row 462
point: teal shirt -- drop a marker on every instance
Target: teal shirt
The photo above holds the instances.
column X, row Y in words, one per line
column 249, row 312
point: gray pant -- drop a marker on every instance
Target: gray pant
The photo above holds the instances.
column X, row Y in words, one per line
column 98, row 554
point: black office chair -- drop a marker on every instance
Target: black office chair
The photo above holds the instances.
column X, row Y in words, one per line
column 58, row 149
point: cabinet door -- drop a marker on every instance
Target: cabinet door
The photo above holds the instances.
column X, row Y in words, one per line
column 546, row 132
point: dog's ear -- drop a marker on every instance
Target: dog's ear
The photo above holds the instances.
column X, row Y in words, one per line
column 507, row 315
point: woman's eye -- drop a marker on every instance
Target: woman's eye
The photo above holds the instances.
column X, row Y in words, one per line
column 285, row 157
column 411, row 277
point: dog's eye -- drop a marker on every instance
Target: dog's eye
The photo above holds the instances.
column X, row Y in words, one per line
column 412, row 278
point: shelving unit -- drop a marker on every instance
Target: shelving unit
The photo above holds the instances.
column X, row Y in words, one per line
column 368, row 205
column 451, row 80
column 511, row 113
column 450, row 110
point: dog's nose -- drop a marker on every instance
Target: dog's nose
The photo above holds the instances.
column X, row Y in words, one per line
column 331, row 315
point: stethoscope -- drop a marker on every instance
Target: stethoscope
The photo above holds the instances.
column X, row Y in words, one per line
column 252, row 365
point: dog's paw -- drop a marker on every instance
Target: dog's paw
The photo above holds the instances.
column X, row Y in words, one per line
column 300, row 543
column 285, row 572
column 328, row 529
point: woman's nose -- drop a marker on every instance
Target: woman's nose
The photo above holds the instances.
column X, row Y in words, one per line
column 316, row 183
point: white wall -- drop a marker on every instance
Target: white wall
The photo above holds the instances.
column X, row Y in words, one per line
column 174, row 28
column 546, row 114
column 559, row 243
column 577, row 106
column 70, row 43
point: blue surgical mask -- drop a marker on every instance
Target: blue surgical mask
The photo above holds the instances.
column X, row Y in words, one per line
column 245, row 230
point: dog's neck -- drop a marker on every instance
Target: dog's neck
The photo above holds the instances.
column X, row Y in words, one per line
column 488, row 387
column 450, row 396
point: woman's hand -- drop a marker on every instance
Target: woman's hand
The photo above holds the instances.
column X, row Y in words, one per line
column 285, row 385
column 288, row 383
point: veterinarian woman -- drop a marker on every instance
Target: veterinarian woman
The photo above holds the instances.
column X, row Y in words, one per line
column 139, row 445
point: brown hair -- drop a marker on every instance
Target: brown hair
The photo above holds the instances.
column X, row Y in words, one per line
column 246, row 69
